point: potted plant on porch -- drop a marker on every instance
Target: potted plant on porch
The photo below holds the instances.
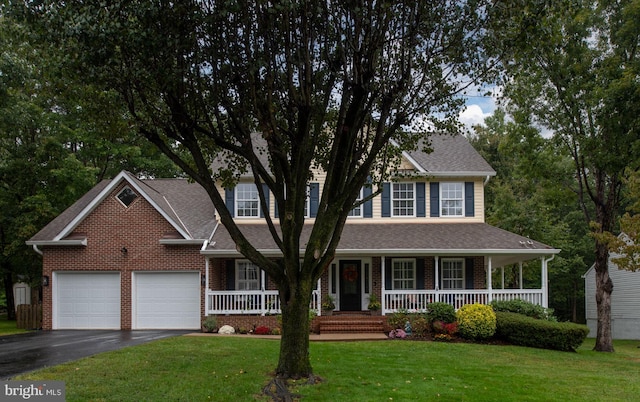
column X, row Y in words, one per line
column 374, row 303
column 328, row 304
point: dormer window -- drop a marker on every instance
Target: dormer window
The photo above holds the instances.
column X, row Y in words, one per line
column 127, row 196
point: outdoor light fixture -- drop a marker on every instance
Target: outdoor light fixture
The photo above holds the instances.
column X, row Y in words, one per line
column 45, row 280
column 124, row 250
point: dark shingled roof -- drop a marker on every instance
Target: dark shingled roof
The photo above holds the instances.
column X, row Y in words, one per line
column 54, row 227
column 452, row 154
column 410, row 239
column 186, row 204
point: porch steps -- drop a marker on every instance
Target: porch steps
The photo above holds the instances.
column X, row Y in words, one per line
column 348, row 323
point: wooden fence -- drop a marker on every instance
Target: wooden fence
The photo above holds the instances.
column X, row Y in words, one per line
column 29, row 316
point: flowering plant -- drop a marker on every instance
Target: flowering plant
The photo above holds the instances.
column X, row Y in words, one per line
column 442, row 338
column 327, row 303
column 397, row 333
column 447, row 328
column 262, row 330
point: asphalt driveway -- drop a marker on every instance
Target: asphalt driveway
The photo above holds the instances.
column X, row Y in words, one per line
column 27, row 352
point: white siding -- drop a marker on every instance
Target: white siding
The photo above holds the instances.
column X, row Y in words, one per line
column 625, row 303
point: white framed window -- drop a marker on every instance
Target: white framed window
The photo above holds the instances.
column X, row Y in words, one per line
column 403, row 199
column 403, row 273
column 357, row 212
column 451, row 199
column 247, row 201
column 452, row 273
column 247, row 276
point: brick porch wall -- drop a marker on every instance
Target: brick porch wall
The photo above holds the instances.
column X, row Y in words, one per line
column 109, row 228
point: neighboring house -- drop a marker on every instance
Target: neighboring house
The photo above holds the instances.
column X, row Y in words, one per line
column 151, row 254
column 625, row 301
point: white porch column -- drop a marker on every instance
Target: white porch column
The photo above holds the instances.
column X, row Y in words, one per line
column 502, row 272
column 437, row 276
column 383, row 302
column 489, row 281
column 520, row 274
column 263, row 300
column 206, row 286
column 545, row 289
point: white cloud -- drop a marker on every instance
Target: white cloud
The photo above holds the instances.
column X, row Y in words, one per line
column 472, row 115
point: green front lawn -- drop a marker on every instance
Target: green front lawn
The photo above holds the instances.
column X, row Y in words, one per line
column 8, row 327
column 236, row 369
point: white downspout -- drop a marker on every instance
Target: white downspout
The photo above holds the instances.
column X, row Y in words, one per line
column 36, row 249
column 205, row 244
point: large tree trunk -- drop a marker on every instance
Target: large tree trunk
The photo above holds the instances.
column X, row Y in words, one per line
column 604, row 288
column 294, row 347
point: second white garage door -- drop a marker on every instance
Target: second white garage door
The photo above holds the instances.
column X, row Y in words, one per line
column 166, row 300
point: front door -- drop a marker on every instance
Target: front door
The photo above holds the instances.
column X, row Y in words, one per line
column 350, row 288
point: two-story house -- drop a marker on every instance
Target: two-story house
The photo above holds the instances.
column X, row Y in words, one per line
column 150, row 253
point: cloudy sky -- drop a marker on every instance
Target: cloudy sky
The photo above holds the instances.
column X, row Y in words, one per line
column 478, row 107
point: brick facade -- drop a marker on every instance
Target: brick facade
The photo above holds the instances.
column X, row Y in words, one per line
column 110, row 228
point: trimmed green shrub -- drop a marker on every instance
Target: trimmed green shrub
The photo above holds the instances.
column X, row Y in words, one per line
column 440, row 311
column 523, row 307
column 521, row 330
column 210, row 324
column 476, row 321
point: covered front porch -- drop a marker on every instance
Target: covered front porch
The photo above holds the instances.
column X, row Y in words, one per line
column 399, row 283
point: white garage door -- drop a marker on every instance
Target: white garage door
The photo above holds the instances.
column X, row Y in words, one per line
column 86, row 300
column 166, row 300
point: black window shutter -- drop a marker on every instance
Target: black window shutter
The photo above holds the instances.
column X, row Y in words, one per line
column 386, row 200
column 231, row 275
column 314, row 199
column 434, row 199
column 468, row 273
column 368, row 205
column 468, row 199
column 420, row 273
column 421, row 200
column 265, row 190
column 388, row 279
column 229, row 200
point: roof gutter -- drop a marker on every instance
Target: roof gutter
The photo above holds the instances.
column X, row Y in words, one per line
column 37, row 244
column 182, row 242
column 403, row 252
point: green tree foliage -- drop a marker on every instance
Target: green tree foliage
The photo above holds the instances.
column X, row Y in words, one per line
column 533, row 194
column 300, row 84
column 573, row 67
column 57, row 139
column 626, row 245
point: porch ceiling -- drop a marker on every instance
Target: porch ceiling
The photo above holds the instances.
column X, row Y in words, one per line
column 409, row 239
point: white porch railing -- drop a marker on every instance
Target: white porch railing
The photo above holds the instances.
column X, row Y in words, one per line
column 259, row 302
column 417, row 300
column 256, row 302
